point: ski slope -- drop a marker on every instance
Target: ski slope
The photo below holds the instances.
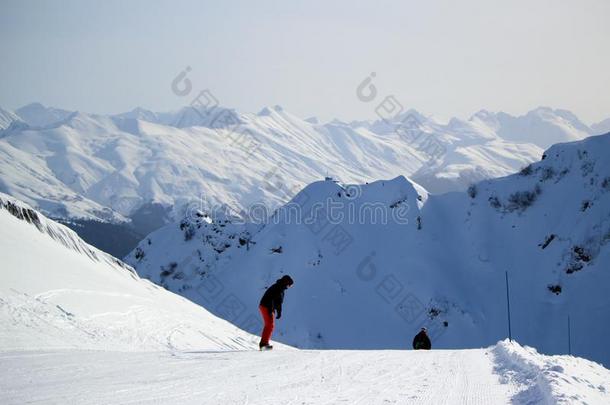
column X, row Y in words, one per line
column 505, row 373
column 57, row 292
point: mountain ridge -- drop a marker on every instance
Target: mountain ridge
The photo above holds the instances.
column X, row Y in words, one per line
column 436, row 260
column 59, row 293
column 80, row 167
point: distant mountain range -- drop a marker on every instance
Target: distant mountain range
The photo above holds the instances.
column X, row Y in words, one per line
column 146, row 168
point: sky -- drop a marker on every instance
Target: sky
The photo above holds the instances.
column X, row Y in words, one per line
column 443, row 58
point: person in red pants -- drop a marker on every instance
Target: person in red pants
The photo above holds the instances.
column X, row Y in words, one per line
column 270, row 305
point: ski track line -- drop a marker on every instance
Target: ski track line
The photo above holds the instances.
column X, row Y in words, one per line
column 52, row 293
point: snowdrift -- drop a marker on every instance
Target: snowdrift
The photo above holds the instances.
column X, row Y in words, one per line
column 550, row 379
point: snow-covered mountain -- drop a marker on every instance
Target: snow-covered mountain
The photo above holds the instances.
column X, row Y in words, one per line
column 373, row 263
column 84, row 168
column 105, row 168
column 543, row 126
column 76, row 321
column 58, row 292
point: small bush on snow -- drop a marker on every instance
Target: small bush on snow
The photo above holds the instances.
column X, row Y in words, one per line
column 472, row 191
column 582, row 254
column 547, row 174
column 188, row 229
column 494, row 202
column 169, row 270
column 434, row 312
column 139, row 255
column 587, row 168
column 521, row 200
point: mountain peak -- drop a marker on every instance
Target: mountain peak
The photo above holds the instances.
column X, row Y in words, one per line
column 32, row 106
column 483, row 115
column 266, row 111
column 38, row 115
column 411, row 112
column 139, row 113
column 313, row 120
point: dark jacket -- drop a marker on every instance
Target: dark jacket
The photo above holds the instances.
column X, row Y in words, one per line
column 274, row 297
column 422, row 341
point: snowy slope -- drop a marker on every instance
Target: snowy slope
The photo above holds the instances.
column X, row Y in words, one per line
column 436, row 260
column 57, row 292
column 503, row 374
column 77, row 165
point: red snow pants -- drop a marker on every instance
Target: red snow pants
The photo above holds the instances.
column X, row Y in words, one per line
column 269, row 324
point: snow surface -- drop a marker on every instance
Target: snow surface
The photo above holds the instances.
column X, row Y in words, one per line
column 79, row 326
column 78, row 165
column 57, row 292
column 550, row 379
column 502, row 374
column 438, row 260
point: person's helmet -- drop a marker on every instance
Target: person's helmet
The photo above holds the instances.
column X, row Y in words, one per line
column 424, row 329
column 287, row 280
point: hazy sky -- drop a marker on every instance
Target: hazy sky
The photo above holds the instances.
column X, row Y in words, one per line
column 441, row 57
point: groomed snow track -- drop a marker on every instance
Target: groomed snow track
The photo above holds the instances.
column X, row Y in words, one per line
column 505, row 373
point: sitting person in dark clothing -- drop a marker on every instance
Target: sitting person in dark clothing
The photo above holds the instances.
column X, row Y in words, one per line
column 421, row 341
